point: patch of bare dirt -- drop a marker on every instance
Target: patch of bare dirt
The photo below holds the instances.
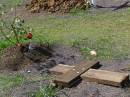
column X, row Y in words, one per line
column 39, row 63
column 84, row 89
column 16, row 58
column 11, row 58
column 65, row 55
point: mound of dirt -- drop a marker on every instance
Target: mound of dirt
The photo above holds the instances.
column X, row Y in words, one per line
column 17, row 58
column 56, row 5
column 11, row 58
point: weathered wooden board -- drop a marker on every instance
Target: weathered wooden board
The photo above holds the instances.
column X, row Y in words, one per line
column 105, row 77
column 69, row 78
column 60, row 69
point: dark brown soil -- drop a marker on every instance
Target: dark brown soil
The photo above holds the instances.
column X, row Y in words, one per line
column 12, row 59
column 16, row 58
column 36, row 66
column 39, row 67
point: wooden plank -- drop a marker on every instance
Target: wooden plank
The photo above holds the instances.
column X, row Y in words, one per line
column 69, row 78
column 105, row 77
column 60, row 69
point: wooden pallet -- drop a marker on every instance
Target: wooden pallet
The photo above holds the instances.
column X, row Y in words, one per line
column 69, row 78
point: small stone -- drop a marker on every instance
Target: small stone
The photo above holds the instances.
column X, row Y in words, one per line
column 12, row 9
column 28, row 71
column 93, row 53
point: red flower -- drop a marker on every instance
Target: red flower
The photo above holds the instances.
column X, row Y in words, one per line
column 29, row 35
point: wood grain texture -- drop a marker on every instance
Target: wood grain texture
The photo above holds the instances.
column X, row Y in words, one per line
column 105, row 77
column 60, row 69
column 69, row 78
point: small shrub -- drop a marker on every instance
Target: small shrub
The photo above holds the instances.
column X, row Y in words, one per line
column 16, row 31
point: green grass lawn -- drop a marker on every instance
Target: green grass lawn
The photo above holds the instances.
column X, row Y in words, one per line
column 8, row 82
column 107, row 33
column 10, row 3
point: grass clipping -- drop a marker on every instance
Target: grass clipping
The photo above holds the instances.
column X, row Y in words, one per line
column 56, row 5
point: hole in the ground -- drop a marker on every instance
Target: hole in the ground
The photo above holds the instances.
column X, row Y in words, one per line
column 15, row 58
